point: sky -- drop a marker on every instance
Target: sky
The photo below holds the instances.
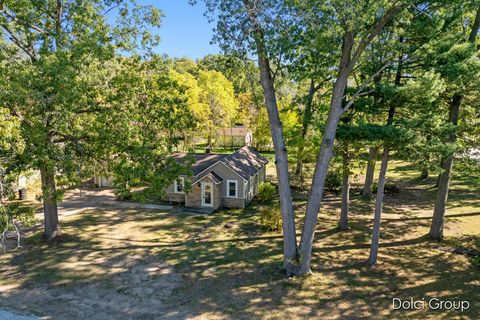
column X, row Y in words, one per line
column 185, row 32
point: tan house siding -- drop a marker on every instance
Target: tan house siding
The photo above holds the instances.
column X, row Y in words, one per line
column 234, row 202
column 217, row 197
column 236, row 136
column 103, row 179
column 172, row 196
column 227, row 174
column 193, row 199
column 235, row 141
column 253, row 184
column 262, row 174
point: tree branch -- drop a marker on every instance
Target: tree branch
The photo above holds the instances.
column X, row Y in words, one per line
column 359, row 92
column 18, row 43
column 23, row 22
column 66, row 137
column 476, row 25
column 374, row 31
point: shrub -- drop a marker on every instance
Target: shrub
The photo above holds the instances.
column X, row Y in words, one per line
column 333, row 182
column 23, row 214
column 270, row 218
column 9, row 216
column 267, row 192
column 123, row 192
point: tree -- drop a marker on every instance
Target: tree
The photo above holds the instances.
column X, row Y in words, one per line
column 372, row 160
column 458, row 64
column 151, row 115
column 242, row 73
column 56, row 81
column 11, row 145
column 418, row 94
column 219, row 105
column 262, row 140
column 258, row 30
column 306, row 120
column 197, row 108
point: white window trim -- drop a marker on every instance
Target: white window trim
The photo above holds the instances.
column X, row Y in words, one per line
column 175, row 185
column 228, row 189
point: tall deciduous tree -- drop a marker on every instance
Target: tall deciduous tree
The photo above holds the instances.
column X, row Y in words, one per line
column 253, row 25
column 55, row 90
column 150, row 113
column 218, row 100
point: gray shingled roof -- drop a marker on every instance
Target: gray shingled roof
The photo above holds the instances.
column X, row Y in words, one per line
column 246, row 162
column 202, row 160
column 212, row 175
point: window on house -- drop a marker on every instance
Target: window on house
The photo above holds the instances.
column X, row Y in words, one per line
column 232, row 188
column 179, row 185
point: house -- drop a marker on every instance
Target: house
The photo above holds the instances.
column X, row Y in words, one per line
column 234, row 137
column 219, row 180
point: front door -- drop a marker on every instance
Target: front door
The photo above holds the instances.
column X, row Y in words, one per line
column 207, row 194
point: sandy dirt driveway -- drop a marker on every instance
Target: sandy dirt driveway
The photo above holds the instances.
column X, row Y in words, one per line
column 78, row 200
column 83, row 275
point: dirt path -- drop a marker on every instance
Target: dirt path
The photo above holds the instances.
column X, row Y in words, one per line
column 134, row 289
column 137, row 293
column 78, row 200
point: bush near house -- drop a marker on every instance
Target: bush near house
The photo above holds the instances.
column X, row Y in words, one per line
column 270, row 218
column 267, row 192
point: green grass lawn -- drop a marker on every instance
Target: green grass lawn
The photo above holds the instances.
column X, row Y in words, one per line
column 223, row 266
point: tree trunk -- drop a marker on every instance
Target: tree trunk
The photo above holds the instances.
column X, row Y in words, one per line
column 299, row 165
column 2, row 176
column 436, row 229
column 50, row 210
column 303, row 255
column 209, row 138
column 324, row 157
column 377, row 218
column 281, row 156
column 343, row 223
column 372, row 259
column 372, row 159
column 472, row 38
column 307, row 115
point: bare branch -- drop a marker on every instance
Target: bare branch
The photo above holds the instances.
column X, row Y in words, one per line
column 375, row 30
column 359, row 92
column 110, row 9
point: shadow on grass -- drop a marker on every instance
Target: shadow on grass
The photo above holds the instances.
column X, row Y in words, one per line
column 236, row 271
